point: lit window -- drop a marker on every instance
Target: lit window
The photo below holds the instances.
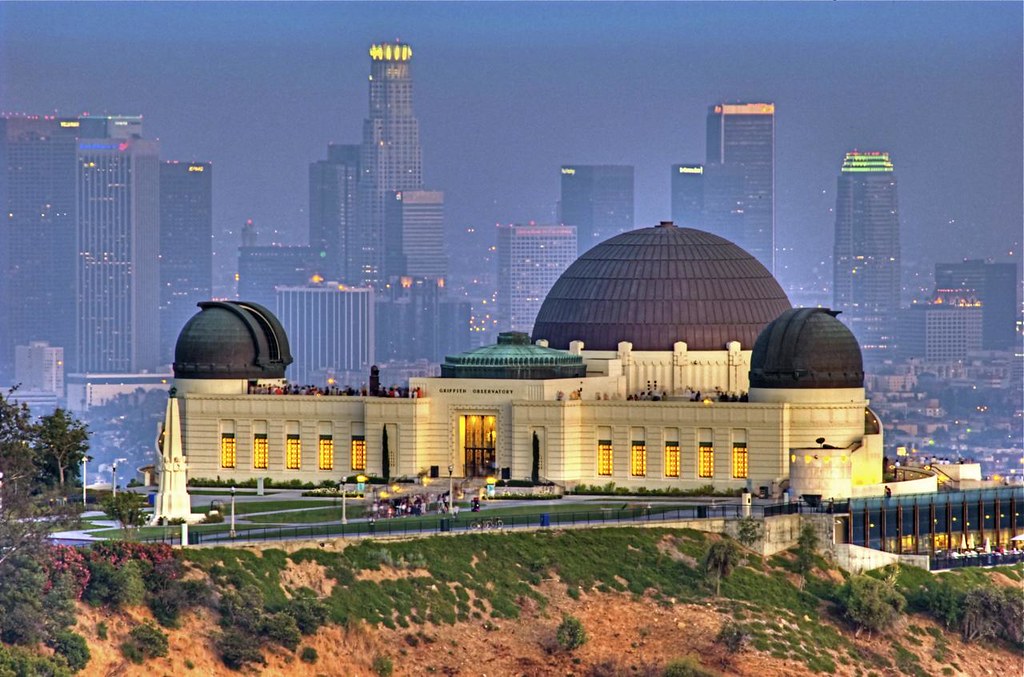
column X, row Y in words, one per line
column 638, row 459
column 705, row 459
column 358, row 452
column 293, row 453
column 260, row 452
column 604, row 457
column 325, row 453
column 227, row 450
column 672, row 459
column 739, row 460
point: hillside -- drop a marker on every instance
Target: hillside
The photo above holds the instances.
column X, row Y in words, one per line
column 490, row 605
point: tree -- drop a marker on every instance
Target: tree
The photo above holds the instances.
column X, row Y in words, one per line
column 127, row 508
column 749, row 531
column 570, row 634
column 535, row 466
column 385, row 455
column 871, row 604
column 719, row 561
column 62, row 440
column 806, row 545
column 734, row 637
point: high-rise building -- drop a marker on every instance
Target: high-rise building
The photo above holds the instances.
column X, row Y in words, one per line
column 417, row 321
column 390, row 158
column 530, row 260
column 994, row 285
column 598, row 200
column 330, row 330
column 866, row 255
column 37, row 233
column 333, row 209
column 688, row 196
column 186, row 246
column 118, row 240
column 743, row 134
column 39, row 367
column 414, row 234
column 940, row 331
column 262, row 269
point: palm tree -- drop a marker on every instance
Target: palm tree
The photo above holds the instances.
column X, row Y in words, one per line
column 719, row 561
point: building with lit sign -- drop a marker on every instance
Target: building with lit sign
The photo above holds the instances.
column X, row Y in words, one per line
column 687, row 195
column 531, row 258
column 598, row 200
column 186, row 246
column 866, row 254
column 743, row 135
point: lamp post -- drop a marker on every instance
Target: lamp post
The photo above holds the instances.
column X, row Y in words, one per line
column 451, row 488
column 1, row 492
column 344, row 499
column 113, row 478
column 85, row 459
column 231, row 532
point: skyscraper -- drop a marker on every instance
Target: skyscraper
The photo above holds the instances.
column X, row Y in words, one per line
column 262, row 269
column 598, row 200
column 688, row 196
column 994, row 285
column 333, row 210
column 743, row 134
column 530, row 260
column 186, row 246
column 37, row 234
column 390, row 158
column 118, row 238
column 866, row 255
column 414, row 234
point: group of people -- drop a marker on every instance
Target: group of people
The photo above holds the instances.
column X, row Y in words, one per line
column 349, row 391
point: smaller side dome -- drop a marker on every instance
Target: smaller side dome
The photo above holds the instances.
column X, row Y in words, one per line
column 232, row 340
column 806, row 348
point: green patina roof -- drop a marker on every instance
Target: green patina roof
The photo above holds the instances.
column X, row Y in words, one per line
column 513, row 357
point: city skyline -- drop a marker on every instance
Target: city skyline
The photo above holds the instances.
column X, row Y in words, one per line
column 518, row 110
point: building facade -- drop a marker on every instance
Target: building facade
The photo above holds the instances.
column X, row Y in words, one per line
column 940, row 332
column 743, row 135
column 414, row 235
column 186, row 246
column 390, row 158
column 866, row 254
column 262, row 269
column 687, row 187
column 333, row 210
column 598, row 200
column 39, row 367
column 994, row 285
column 531, row 258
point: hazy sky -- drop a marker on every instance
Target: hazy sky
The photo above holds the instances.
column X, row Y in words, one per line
column 507, row 92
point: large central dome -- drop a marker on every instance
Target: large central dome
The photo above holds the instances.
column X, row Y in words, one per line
column 655, row 286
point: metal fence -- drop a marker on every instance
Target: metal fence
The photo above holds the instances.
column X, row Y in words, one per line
column 470, row 522
column 992, row 559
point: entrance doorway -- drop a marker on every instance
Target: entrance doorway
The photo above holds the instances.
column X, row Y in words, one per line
column 479, row 441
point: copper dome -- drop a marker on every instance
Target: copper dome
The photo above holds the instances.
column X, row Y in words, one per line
column 655, row 286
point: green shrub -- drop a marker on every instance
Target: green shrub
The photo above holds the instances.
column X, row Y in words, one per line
column 309, row 612
column 18, row 661
column 749, row 531
column 686, row 667
column 144, row 641
column 73, row 648
column 734, row 637
column 115, row 586
column 280, row 628
column 168, row 601
column 383, row 666
column 308, row 655
column 870, row 604
column 101, row 630
column 238, row 648
column 570, row 634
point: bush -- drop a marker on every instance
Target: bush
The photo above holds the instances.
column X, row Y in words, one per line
column 101, row 630
column 280, row 628
column 871, row 604
column 73, row 648
column 144, row 642
column 168, row 601
column 309, row 612
column 115, row 586
column 570, row 634
column 733, row 637
column 243, row 611
column 749, row 531
column 18, row 661
column 806, row 545
column 686, row 667
column 383, row 666
column 238, row 648
column 308, row 655
column 991, row 612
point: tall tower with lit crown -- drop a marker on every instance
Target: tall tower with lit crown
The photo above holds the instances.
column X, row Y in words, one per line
column 866, row 255
column 390, row 158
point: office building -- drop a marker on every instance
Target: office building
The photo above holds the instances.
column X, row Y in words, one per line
column 414, row 235
column 186, row 246
column 530, row 259
column 333, row 210
column 995, row 286
column 417, row 321
column 118, row 241
column 390, row 158
column 262, row 269
column 39, row 367
column 743, row 135
column 942, row 331
column 598, row 200
column 331, row 332
column 688, row 195
column 866, row 254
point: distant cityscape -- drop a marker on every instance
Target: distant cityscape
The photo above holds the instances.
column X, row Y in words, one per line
column 106, row 249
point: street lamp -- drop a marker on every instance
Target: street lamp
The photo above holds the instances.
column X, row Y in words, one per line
column 451, row 488
column 344, row 499
column 113, row 478
column 85, row 459
column 1, row 492
column 231, row 532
